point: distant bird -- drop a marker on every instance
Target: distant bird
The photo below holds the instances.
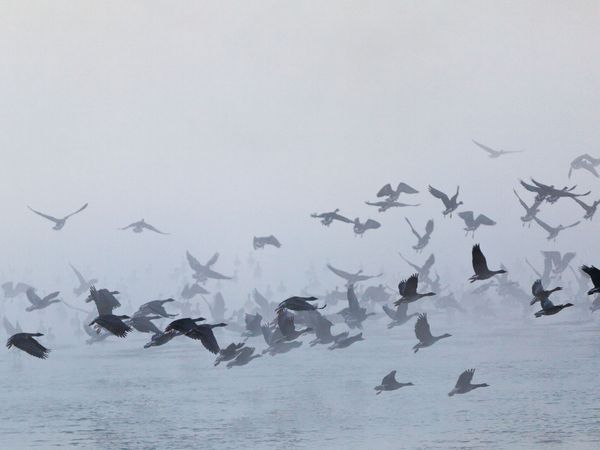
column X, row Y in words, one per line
column 423, row 270
column 253, row 325
column 328, row 217
column 399, row 316
column 84, row 285
column 594, row 275
column 495, row 153
column 104, row 300
column 203, row 333
column 140, row 226
column 243, row 357
column 228, row 353
column 202, row 272
column 360, row 227
column 113, row 324
column 553, row 232
column 260, row 242
column 384, row 205
column 354, row 315
column 585, row 162
column 144, row 324
column 472, row 223
column 539, row 294
column 463, row 384
column 285, row 322
column 558, row 261
column 451, row 204
column 590, row 210
column 276, row 345
column 155, row 307
column 422, row 240
column 408, row 290
column 389, row 383
column 58, row 223
column 322, row 329
column 530, row 211
column 346, row 342
column 423, row 333
column 299, row 304
column 480, row 266
column 12, row 290
column 549, row 193
column 190, row 291
column 351, row 278
column 393, row 194
column 27, row 343
column 10, row 328
column 549, row 308
column 161, row 338
column 40, row 303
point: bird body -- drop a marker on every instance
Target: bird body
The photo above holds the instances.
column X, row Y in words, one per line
column 464, row 385
column 480, row 267
column 423, row 333
column 27, row 343
column 389, row 383
column 408, row 290
column 451, row 204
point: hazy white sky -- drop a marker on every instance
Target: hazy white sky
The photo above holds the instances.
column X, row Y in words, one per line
column 216, row 121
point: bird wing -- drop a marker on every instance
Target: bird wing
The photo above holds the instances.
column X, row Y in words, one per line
column 389, row 312
column 194, row 263
column 465, row 378
column 429, row 263
column 51, row 296
column 537, row 289
column 385, row 191
column 523, row 204
column 405, row 188
column 151, row 228
column 131, row 225
column 352, row 299
column 412, row 229
column 547, row 304
column 485, row 220
column 593, row 273
column 371, row 224
column 410, row 287
column 207, row 338
column 439, row 194
column 213, row 259
column 544, row 225
column 573, row 224
column 479, row 261
column 491, row 151
column 340, row 273
column 429, row 226
column 567, row 258
column 78, row 211
column 529, row 187
column 46, row 216
column 341, row 218
column 390, row 378
column 422, row 330
column 78, row 275
column 467, row 216
column 33, row 298
column 552, row 257
column 34, row 348
column 272, row 240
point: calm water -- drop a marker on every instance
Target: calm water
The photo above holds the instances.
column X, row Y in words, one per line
column 543, row 376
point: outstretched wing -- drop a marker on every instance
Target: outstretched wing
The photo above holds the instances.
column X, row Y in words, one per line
column 390, row 378
column 352, row 299
column 193, row 262
column 389, row 312
column 537, row 289
column 439, row 194
column 467, row 216
column 385, row 191
column 429, row 263
column 340, row 273
column 523, row 204
column 406, row 189
column 412, row 228
column 410, row 285
column 479, row 261
column 33, row 298
column 213, row 259
column 465, row 378
column 45, row 216
column 485, row 220
column 544, row 225
column 429, row 227
column 422, row 330
column 151, row 228
column 341, row 218
column 371, row 224
column 78, row 211
column 78, row 274
column 491, row 151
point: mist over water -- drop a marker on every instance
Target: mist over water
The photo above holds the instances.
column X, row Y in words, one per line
column 217, row 122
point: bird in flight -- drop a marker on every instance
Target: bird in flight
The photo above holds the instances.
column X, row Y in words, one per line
column 480, row 266
column 260, row 242
column 463, row 384
column 451, row 204
column 494, row 154
column 140, row 226
column 58, row 223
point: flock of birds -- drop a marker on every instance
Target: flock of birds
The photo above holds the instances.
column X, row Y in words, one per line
column 282, row 324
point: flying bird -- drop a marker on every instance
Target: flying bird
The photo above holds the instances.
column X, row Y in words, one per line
column 40, row 303
column 594, row 275
column 113, row 324
column 493, row 154
column 243, row 357
column 590, row 210
column 299, row 304
column 393, row 194
column 549, row 308
column 472, row 223
column 27, row 343
column 423, row 333
column 104, row 300
column 155, row 307
column 361, row 227
column 480, row 266
column 530, row 211
column 585, row 162
column 328, row 217
column 260, row 242
column 140, row 226
column 553, row 232
column 351, row 278
column 202, row 272
column 422, row 239
column 384, row 205
column 389, row 383
column 408, row 290
column 399, row 316
column 58, row 223
column 559, row 262
column 228, row 353
column 451, row 204
column 463, row 384
column 540, row 294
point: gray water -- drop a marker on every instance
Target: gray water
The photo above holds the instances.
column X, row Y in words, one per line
column 543, row 394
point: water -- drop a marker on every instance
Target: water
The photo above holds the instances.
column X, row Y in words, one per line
column 543, row 375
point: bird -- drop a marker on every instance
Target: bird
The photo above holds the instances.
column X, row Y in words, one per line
column 276, row 345
column 423, row 270
column 351, row 278
column 493, row 154
column 399, row 316
column 393, row 194
column 183, row 325
column 594, row 275
column 203, row 333
column 253, row 325
column 451, row 204
column 384, row 205
column 144, row 324
column 346, row 342
column 243, row 357
column 553, row 232
column 360, row 227
column 354, row 315
column 27, row 343
column 530, row 211
column 423, row 333
column 463, row 384
column 539, row 294
column 328, row 217
column 58, row 223
column 322, row 329
column 228, row 353
column 549, row 308
column 113, row 324
column 590, row 210
column 190, row 291
column 299, row 304
column 202, row 272
column 408, row 290
column 549, row 193
column 472, row 223
column 285, row 322
column 480, row 266
column 260, row 242
column 558, row 261
column 104, row 300
column 161, row 339
column 585, row 162
column 389, row 383
column 84, row 285
column 155, row 307
column 140, row 226
column 422, row 240
column 40, row 303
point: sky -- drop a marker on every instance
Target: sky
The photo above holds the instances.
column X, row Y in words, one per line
column 218, row 121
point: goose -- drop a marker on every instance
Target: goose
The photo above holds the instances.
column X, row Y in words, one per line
column 354, row 315
column 243, row 357
column 394, row 194
column 328, row 217
column 451, row 204
column 361, row 227
column 144, row 324
column 346, row 342
column 539, row 294
column 260, row 242
column 389, row 383
column 480, row 266
column 530, row 211
column 40, row 303
column 84, row 285
column 594, row 275
column 585, row 162
column 299, row 304
column 285, row 322
column 494, row 154
column 27, row 343
column 104, row 300
column 549, row 308
column 423, row 333
column 113, row 324
column 463, row 384
column 12, row 290
column 408, row 290
column 161, row 338
column 384, row 205
column 590, row 210
column 351, row 278
column 204, row 333
column 155, row 307
column 553, row 232
column 202, row 272
column 276, row 345
column 58, row 223
column 140, row 226
column 472, row 223
column 184, row 325
column 557, row 261
column 228, row 353
column 399, row 316
column 422, row 240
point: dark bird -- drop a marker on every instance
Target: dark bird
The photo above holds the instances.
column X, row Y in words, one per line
column 399, row 316
column 184, row 325
column 553, row 232
column 155, row 307
column 594, row 274
column 27, row 343
column 389, row 383
column 243, row 357
column 495, row 153
column 423, row 333
column 228, row 353
column 58, row 223
column 328, row 217
column 346, row 342
column 585, row 162
column 285, row 322
column 463, row 384
column 384, row 205
column 360, row 227
column 451, row 204
column 480, row 266
column 299, row 304
column 422, row 240
column 40, row 303
column 549, row 308
column 204, row 333
column 190, row 291
column 530, row 211
column 113, row 324
column 590, row 210
column 472, row 223
column 144, row 324
column 354, row 315
column 104, row 300
column 140, row 226
column 260, row 242
column 539, row 294
column 351, row 278
column 408, row 290
column 84, row 284
column 393, row 194
column 202, row 272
